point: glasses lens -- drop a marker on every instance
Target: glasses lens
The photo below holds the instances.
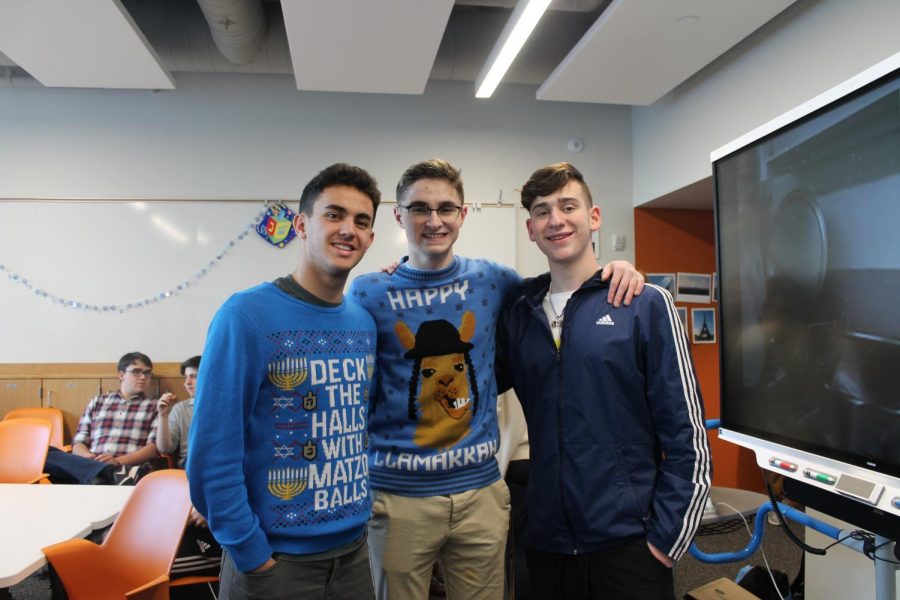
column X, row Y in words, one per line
column 141, row 372
column 446, row 212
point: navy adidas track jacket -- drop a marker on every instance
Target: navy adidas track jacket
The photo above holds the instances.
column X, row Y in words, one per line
column 615, row 420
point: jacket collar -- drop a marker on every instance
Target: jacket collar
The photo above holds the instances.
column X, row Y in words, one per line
column 535, row 288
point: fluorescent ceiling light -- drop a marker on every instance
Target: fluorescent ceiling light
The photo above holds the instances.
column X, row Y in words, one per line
column 520, row 25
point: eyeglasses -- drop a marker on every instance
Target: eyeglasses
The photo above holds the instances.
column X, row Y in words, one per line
column 138, row 373
column 422, row 212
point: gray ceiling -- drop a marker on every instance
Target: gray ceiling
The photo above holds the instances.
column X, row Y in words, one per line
column 600, row 51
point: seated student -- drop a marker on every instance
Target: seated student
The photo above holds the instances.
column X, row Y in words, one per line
column 175, row 421
column 199, row 553
column 120, row 428
column 117, row 430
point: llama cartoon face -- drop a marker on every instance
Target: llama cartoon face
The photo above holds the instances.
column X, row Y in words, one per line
column 442, row 392
column 445, row 383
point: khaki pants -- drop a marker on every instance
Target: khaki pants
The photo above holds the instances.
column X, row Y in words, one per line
column 467, row 531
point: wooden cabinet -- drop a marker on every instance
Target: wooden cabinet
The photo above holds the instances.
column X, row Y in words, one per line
column 173, row 385
column 70, row 396
column 70, row 386
column 109, row 385
column 19, row 393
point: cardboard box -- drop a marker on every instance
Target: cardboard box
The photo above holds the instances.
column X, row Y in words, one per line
column 720, row 589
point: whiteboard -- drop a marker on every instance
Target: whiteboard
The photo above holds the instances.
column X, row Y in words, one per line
column 118, row 253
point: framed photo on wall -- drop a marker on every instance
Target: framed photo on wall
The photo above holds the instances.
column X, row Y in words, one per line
column 703, row 321
column 693, row 287
column 663, row 280
column 682, row 314
column 715, row 287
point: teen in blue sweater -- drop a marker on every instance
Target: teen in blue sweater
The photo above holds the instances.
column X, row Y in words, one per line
column 278, row 460
column 437, row 491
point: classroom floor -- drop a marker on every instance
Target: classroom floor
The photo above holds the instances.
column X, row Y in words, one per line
column 781, row 553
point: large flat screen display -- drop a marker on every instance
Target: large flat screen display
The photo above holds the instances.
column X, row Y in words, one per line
column 808, row 238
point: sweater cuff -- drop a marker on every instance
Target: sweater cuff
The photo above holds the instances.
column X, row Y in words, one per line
column 252, row 553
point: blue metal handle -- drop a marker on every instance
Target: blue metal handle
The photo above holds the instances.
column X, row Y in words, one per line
column 758, row 529
column 759, row 525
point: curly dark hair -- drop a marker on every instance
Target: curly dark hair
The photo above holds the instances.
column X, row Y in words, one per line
column 340, row 174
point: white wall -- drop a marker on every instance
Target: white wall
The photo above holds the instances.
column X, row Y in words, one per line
column 254, row 137
column 809, row 48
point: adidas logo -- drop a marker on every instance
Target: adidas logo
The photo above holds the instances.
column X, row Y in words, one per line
column 203, row 546
column 605, row 320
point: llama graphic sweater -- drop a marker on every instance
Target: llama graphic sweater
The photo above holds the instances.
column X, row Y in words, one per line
column 277, row 458
column 433, row 418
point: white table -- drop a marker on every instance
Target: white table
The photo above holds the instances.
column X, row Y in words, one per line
column 35, row 516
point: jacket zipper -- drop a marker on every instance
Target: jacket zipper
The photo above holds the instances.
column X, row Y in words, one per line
column 538, row 313
column 559, row 420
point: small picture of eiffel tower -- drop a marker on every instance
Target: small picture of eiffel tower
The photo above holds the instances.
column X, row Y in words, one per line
column 703, row 321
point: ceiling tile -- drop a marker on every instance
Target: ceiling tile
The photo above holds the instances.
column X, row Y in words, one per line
column 639, row 50
column 88, row 43
column 350, row 46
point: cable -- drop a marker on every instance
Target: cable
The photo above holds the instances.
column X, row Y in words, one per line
column 868, row 539
column 870, row 549
column 761, row 549
column 787, row 530
column 841, row 540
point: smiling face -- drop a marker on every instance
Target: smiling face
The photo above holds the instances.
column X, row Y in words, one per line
column 335, row 237
column 430, row 239
column 561, row 224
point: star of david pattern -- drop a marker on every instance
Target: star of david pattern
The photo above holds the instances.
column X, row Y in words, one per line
column 292, row 344
column 293, row 515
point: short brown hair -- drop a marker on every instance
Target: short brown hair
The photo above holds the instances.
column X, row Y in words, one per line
column 549, row 179
column 191, row 363
column 132, row 357
column 434, row 168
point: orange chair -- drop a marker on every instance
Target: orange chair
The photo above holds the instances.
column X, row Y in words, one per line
column 134, row 560
column 23, row 450
column 54, row 415
column 209, row 580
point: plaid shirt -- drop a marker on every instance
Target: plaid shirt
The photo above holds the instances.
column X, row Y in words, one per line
column 114, row 425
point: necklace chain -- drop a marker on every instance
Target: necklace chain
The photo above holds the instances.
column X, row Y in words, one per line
column 558, row 316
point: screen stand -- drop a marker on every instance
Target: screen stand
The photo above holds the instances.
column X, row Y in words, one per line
column 885, row 579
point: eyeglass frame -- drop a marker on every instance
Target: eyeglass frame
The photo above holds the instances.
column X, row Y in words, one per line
column 138, row 373
column 419, row 206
